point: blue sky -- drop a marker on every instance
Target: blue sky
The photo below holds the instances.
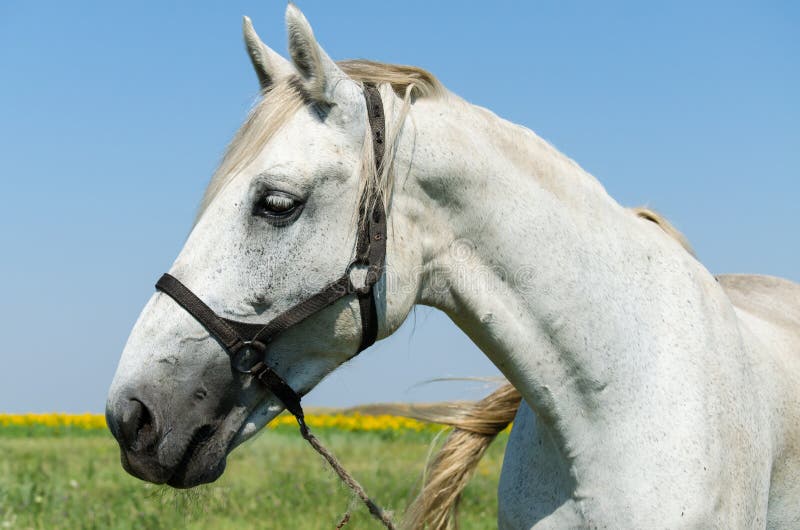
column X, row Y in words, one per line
column 114, row 115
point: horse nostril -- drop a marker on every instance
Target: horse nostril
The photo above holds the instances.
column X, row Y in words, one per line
column 137, row 429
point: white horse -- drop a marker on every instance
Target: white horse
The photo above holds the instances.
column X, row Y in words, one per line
column 655, row 395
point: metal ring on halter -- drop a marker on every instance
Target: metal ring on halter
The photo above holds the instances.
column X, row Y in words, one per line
column 366, row 287
column 248, row 346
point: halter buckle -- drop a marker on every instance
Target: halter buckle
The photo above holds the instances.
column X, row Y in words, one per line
column 362, row 271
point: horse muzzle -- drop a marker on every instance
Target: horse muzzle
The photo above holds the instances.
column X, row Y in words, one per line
column 185, row 452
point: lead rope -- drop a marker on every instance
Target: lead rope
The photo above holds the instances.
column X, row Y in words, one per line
column 376, row 511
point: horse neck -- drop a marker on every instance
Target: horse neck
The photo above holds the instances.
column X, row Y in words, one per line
column 528, row 254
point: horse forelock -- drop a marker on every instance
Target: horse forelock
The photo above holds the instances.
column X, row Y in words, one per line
column 266, row 117
column 286, row 97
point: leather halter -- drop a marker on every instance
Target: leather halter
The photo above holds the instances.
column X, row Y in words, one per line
column 242, row 338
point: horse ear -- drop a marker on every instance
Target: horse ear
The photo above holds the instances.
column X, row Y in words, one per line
column 319, row 73
column 269, row 66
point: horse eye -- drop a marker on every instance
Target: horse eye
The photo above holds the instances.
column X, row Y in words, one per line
column 276, row 206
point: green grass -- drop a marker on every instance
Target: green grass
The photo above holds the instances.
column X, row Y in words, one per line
column 276, row 481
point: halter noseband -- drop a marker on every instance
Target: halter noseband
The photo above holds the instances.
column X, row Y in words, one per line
column 241, row 338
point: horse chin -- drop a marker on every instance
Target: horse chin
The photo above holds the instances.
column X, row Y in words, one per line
column 204, row 461
column 197, row 472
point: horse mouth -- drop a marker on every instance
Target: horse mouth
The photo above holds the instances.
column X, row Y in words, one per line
column 193, row 469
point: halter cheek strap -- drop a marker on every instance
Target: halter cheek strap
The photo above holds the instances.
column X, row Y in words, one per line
column 239, row 338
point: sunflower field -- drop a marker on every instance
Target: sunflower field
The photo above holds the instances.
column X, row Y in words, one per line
column 63, row 471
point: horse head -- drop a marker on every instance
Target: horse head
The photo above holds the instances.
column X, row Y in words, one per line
column 277, row 224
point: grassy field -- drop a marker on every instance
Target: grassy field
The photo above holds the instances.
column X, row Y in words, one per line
column 72, row 479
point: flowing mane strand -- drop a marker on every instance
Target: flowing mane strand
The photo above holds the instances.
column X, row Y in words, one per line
column 661, row 221
column 287, row 97
column 423, row 83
